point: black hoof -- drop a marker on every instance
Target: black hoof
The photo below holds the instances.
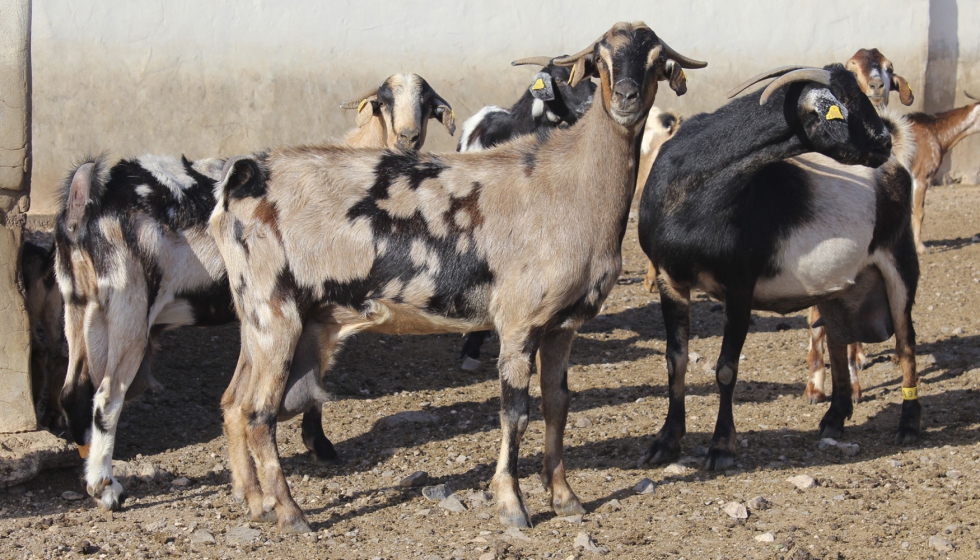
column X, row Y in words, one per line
column 719, row 460
column 324, row 452
column 831, row 431
column 660, row 452
column 909, row 423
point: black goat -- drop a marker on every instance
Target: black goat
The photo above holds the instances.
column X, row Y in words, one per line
column 724, row 213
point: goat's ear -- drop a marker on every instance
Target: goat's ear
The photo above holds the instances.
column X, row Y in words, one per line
column 366, row 109
column 583, row 69
column 444, row 112
column 675, row 77
column 904, row 89
column 241, row 177
column 78, row 195
column 543, row 87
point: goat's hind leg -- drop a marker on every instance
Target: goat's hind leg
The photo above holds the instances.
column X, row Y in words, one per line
column 676, row 307
column 553, row 372
column 841, row 403
column 901, row 274
column 244, row 480
column 814, row 388
column 304, row 391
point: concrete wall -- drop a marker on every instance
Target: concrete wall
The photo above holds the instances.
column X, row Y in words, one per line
column 220, row 78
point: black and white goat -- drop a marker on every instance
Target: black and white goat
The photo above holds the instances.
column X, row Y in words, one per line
column 134, row 259
column 549, row 102
column 724, row 213
column 324, row 242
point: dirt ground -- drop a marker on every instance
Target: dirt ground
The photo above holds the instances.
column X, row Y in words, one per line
column 886, row 501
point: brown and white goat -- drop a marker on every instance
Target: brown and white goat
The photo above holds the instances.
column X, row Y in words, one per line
column 396, row 114
column 134, row 259
column 324, row 242
column 877, row 79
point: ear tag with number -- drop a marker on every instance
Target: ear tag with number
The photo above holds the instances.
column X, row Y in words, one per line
column 834, row 114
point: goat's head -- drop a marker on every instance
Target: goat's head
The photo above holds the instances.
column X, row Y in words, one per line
column 403, row 105
column 629, row 60
column 877, row 78
column 550, row 89
column 834, row 116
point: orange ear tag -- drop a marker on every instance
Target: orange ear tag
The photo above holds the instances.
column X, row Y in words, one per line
column 834, row 114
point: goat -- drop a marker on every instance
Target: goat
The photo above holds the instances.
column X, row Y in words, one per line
column 139, row 249
column 661, row 125
column 876, row 77
column 549, row 102
column 722, row 212
column 403, row 104
column 525, row 238
column 46, row 312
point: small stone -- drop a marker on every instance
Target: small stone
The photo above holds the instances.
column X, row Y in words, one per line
column 765, row 537
column 675, row 469
column 849, row 449
column 583, row 422
column 423, row 512
column 461, row 459
column 645, row 486
column 953, row 474
column 218, row 468
column 895, row 463
column 584, row 542
column 611, row 505
column 417, row 478
column 453, row 504
column 951, row 528
column 148, row 472
column 180, row 482
column 480, row 498
column 759, row 503
column 202, row 536
column 802, row 481
column 71, row 496
column 958, row 331
column 573, row 519
column 242, row 535
column 694, row 357
column 436, row 493
column 906, row 545
column 488, row 556
column 471, row 365
column 124, row 471
column 385, row 474
column 515, row 532
column 940, row 544
column 827, row 442
column 735, row 510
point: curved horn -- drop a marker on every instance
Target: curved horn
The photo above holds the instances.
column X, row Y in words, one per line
column 677, row 57
column 571, row 59
column 759, row 77
column 818, row 75
column 354, row 103
column 967, row 94
column 538, row 60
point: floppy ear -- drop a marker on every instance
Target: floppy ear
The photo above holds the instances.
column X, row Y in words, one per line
column 444, row 113
column 366, row 109
column 78, row 195
column 543, row 87
column 583, row 69
column 241, row 178
column 904, row 89
column 675, row 77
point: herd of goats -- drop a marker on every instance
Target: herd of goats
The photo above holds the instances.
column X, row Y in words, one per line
column 807, row 193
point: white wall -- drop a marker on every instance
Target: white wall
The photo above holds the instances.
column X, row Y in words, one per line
column 220, row 78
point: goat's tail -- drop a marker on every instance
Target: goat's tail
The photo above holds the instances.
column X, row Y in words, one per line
column 82, row 195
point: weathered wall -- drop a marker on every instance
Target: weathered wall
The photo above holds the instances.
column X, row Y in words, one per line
column 16, row 405
column 224, row 77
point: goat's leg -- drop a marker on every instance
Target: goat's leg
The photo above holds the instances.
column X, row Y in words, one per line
column 77, row 391
column 314, row 439
column 650, row 280
column 676, row 307
column 814, row 388
column 855, row 363
column 470, row 353
column 553, row 372
column 901, row 273
column 738, row 315
column 841, row 404
column 244, row 480
column 304, row 391
column 919, row 186
column 514, row 362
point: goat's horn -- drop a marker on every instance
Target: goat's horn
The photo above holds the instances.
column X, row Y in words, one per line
column 818, row 75
column 759, row 77
column 967, row 94
column 571, row 59
column 539, row 60
column 684, row 61
column 356, row 102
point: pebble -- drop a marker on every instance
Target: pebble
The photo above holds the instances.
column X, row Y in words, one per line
column 694, row 357
column 645, row 486
column 71, row 496
column 242, row 535
column 470, row 364
column 488, row 556
column 573, row 519
column 417, row 478
column 453, row 504
column 675, row 468
column 437, row 493
column 480, row 498
column 612, row 505
column 461, row 459
column 940, row 544
column 827, row 443
column 802, row 481
column 895, row 463
column 583, row 422
column 516, row 533
column 202, row 536
column 765, row 537
column 584, row 541
column 736, row 510
column 953, row 474
column 849, row 449
column 958, row 331
column 181, row 482
column 759, row 503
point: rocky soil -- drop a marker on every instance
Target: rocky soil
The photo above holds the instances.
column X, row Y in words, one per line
column 403, row 406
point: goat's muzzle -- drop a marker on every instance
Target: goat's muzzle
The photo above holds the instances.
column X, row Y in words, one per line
column 408, row 140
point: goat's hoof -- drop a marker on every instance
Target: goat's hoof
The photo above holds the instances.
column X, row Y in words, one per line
column 324, row 453
column 856, row 393
column 471, row 365
column 906, row 437
column 921, row 249
column 519, row 519
column 831, row 431
column 816, row 397
column 659, row 453
column 299, row 526
column 265, row 516
column 570, row 507
column 112, row 496
column 719, row 460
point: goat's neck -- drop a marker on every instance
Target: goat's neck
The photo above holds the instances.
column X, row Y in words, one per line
column 371, row 135
column 952, row 126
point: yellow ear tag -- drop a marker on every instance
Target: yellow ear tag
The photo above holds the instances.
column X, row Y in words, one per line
column 910, row 393
column 834, row 113
column 571, row 77
column 538, row 84
column 909, row 86
column 361, row 105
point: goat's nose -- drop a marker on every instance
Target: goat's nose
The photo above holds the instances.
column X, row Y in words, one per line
column 627, row 90
column 408, row 139
column 876, row 85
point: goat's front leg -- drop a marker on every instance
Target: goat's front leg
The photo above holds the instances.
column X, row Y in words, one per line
column 919, row 186
column 553, row 372
column 841, row 404
column 676, row 307
column 901, row 283
column 515, row 375
column 855, row 363
column 738, row 315
column 814, row 388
